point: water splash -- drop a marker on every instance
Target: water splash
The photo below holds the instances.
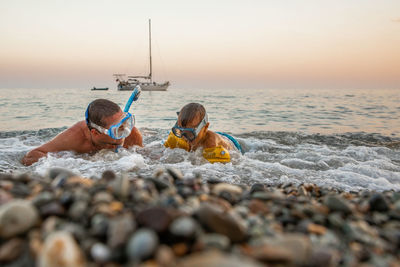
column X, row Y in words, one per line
column 348, row 161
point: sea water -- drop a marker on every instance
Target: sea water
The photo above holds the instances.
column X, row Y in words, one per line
column 344, row 139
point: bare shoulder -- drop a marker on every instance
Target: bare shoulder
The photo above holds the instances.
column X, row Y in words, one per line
column 213, row 140
column 134, row 139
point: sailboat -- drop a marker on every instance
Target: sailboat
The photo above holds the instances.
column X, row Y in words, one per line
column 146, row 83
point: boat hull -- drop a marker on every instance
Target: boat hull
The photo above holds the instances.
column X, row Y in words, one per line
column 144, row 86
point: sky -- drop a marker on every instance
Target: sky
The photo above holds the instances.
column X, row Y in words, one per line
column 201, row 44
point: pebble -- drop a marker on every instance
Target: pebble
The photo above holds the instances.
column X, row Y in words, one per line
column 17, row 217
column 170, row 220
column 165, row 256
column 141, row 245
column 156, row 218
column 213, row 240
column 184, row 227
column 215, row 258
column 213, row 218
column 120, row 228
column 11, row 249
column 100, row 253
column 378, row 202
column 61, row 250
column 337, row 204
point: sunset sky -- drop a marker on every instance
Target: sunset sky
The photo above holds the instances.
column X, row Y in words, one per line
column 201, row 44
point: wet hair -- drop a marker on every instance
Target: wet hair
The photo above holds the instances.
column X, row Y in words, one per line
column 100, row 109
column 190, row 111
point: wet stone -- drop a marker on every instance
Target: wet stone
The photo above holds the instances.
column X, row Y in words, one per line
column 17, row 217
column 337, row 204
column 11, row 249
column 76, row 230
column 52, row 209
column 175, row 173
column 214, row 219
column 20, row 190
column 121, row 186
column 108, row 175
column 285, row 249
column 165, row 256
column 378, row 202
column 183, row 227
column 59, row 172
column 335, row 219
column 274, row 195
column 159, row 184
column 5, row 197
column 78, row 210
column 156, row 218
column 119, row 230
column 59, row 176
column 213, row 240
column 141, row 245
column 100, row 253
column 66, row 199
column 215, row 258
column 60, row 249
column 324, row 257
column 99, row 225
column 102, row 197
column 229, row 192
column 257, row 188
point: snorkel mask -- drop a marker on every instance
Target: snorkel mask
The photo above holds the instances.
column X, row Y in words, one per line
column 189, row 133
column 124, row 127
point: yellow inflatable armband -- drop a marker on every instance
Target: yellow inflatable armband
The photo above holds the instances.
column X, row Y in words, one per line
column 216, row 154
column 176, row 142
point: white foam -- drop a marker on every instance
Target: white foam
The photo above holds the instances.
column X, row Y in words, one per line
column 266, row 161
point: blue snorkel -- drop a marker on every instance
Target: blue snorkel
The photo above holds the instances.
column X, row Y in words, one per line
column 134, row 96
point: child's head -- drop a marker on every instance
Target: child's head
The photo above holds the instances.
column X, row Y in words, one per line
column 192, row 123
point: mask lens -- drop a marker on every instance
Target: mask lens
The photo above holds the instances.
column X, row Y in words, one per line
column 189, row 135
column 124, row 129
column 177, row 132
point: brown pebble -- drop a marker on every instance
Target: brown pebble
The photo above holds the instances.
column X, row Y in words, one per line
column 10, row 250
column 203, row 197
column 116, row 206
column 316, row 229
column 80, row 180
column 35, row 242
column 180, row 249
column 268, row 254
column 257, row 206
column 6, row 185
column 165, row 256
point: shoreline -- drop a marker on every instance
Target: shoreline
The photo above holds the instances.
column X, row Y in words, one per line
column 166, row 220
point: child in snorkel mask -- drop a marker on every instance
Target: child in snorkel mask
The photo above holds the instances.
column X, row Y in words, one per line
column 191, row 132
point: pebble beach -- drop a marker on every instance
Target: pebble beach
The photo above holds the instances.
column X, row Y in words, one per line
column 61, row 219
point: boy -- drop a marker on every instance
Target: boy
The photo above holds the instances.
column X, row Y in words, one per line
column 191, row 132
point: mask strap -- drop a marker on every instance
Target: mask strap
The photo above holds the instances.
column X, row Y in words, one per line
column 87, row 114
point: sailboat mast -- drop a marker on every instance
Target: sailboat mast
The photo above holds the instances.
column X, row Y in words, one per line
column 151, row 67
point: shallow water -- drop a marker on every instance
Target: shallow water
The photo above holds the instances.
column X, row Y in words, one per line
column 332, row 138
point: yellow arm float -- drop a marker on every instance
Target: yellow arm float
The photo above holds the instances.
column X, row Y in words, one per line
column 213, row 154
column 216, row 154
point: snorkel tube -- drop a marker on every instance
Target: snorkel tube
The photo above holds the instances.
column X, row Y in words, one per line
column 134, row 96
